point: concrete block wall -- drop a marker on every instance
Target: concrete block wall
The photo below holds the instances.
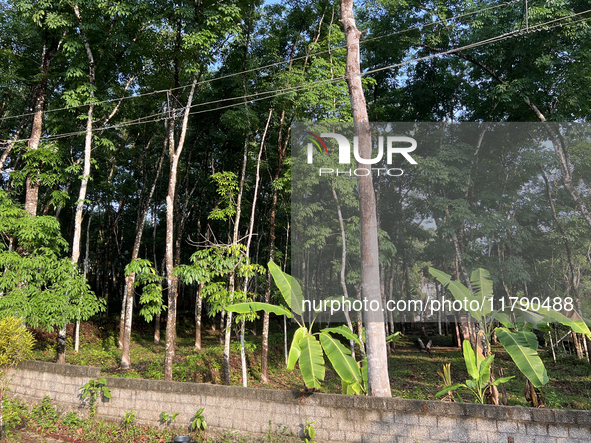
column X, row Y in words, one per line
column 338, row 418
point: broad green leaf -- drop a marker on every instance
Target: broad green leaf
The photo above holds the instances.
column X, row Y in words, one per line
column 458, row 290
column 461, row 293
column 311, row 361
column 482, row 287
column 470, row 359
column 351, row 389
column 504, row 319
column 345, row 332
column 579, row 326
column 340, row 358
column 394, row 336
column 443, row 278
column 446, row 389
column 484, row 370
column 502, row 380
column 245, row 308
column 295, row 351
column 523, row 349
column 289, row 287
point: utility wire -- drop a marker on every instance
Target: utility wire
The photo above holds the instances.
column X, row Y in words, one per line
column 260, row 68
column 276, row 93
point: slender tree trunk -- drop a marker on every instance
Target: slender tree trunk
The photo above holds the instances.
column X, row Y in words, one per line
column 228, row 330
column 39, row 97
column 157, row 317
column 61, row 355
column 343, row 265
column 379, row 383
column 130, row 279
column 86, row 260
column 198, row 311
column 171, row 280
column 249, row 240
column 265, row 346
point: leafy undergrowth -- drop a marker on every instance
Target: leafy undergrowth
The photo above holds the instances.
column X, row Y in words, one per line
column 42, row 423
column 413, row 374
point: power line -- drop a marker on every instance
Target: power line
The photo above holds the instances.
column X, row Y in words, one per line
column 260, row 68
column 276, row 93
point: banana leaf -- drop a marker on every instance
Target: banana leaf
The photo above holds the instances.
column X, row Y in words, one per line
column 295, row 351
column 482, row 286
column 289, row 287
column 245, row 308
column 579, row 326
column 523, row 348
column 311, row 361
column 470, row 359
column 446, row 389
column 345, row 332
column 340, row 359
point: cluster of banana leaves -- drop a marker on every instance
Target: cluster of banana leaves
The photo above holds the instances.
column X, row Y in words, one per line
column 479, row 370
column 515, row 336
column 308, row 348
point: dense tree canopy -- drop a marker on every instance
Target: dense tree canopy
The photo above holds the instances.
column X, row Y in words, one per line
column 179, row 107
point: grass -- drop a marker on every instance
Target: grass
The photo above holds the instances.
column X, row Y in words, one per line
column 412, row 374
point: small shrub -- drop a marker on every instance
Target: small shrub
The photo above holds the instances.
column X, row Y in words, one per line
column 128, row 419
column 72, row 420
column 309, row 432
column 198, row 423
column 167, row 419
column 92, row 390
column 44, row 414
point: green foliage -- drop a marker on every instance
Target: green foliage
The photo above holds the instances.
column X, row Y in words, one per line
column 305, row 347
column 128, row 419
column 92, row 390
column 213, row 266
column 522, row 346
column 227, row 187
column 309, row 432
column 151, row 284
column 479, row 371
column 198, row 422
column 44, row 164
column 15, row 413
column 44, row 414
column 36, row 283
column 71, row 419
column 16, row 345
column 168, row 419
column 394, row 337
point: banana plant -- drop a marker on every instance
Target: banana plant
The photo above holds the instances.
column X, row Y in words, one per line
column 308, row 348
column 479, row 370
column 521, row 345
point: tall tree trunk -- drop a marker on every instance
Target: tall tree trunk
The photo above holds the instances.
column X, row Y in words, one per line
column 379, row 383
column 172, row 280
column 130, row 279
column 343, row 264
column 265, row 351
column 61, row 354
column 228, row 330
column 157, row 317
column 39, row 97
column 198, row 313
column 249, row 240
